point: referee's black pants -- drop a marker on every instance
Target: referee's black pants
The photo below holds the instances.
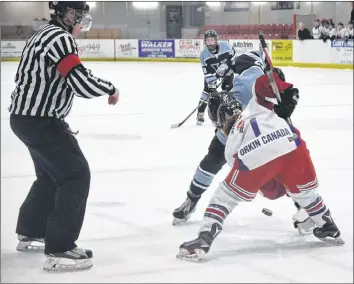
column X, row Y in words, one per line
column 55, row 205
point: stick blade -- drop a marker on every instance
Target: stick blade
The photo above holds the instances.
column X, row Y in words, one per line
column 176, row 125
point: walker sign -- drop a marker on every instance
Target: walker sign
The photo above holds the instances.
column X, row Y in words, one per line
column 157, row 48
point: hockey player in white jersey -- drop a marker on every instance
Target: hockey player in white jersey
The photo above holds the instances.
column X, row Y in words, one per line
column 217, row 60
column 247, row 68
column 262, row 146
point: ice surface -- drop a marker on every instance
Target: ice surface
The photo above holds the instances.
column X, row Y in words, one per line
column 141, row 170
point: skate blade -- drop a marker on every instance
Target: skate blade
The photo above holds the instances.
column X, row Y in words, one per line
column 199, row 123
column 177, row 222
column 54, row 265
column 337, row 241
column 186, row 255
column 304, row 232
column 30, row 246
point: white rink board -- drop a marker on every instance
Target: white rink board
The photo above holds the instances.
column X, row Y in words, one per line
column 244, row 45
column 95, row 48
column 304, row 53
column 12, row 48
column 188, row 48
column 127, row 48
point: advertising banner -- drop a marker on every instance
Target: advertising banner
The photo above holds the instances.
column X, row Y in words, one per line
column 188, row 48
column 157, row 48
column 127, row 48
column 243, row 45
column 95, row 48
column 282, row 50
column 12, row 48
column 341, row 51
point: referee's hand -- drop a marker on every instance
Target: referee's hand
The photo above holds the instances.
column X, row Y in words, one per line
column 113, row 100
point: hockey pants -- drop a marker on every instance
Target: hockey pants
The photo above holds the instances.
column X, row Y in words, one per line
column 294, row 170
column 55, row 206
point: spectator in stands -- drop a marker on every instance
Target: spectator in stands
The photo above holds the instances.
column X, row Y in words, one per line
column 352, row 14
column 303, row 33
column 350, row 30
column 341, row 31
column 324, row 30
column 316, row 30
column 331, row 22
column 332, row 31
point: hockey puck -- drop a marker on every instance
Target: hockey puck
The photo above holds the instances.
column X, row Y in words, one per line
column 267, row 212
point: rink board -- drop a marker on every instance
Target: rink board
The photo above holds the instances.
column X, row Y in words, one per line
column 310, row 54
column 194, row 60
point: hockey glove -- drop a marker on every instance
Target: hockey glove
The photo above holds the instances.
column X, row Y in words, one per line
column 212, row 84
column 228, row 83
column 289, row 99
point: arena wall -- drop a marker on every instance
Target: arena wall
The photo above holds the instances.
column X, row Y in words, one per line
column 310, row 53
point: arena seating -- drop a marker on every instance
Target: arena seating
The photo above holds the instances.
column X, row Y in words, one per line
column 271, row 31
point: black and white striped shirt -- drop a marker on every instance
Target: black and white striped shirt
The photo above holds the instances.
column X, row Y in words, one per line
column 50, row 74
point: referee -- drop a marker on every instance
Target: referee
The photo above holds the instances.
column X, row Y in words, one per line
column 49, row 75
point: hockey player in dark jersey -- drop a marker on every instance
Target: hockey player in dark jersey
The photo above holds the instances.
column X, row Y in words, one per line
column 247, row 68
column 217, row 60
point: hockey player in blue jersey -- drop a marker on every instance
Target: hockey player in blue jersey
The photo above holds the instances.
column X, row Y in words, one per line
column 217, row 60
column 246, row 68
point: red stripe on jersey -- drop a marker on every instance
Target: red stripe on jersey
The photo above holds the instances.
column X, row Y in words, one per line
column 67, row 64
column 216, row 212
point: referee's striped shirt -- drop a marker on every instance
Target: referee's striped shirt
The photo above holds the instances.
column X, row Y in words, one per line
column 50, row 74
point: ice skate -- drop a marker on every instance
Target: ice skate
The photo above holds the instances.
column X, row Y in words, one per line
column 329, row 231
column 303, row 223
column 196, row 249
column 29, row 244
column 200, row 118
column 72, row 260
column 183, row 213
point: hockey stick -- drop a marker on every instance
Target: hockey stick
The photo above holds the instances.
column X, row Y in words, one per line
column 176, row 125
column 270, row 72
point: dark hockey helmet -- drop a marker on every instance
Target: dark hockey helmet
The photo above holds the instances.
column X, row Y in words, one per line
column 211, row 40
column 81, row 8
column 228, row 108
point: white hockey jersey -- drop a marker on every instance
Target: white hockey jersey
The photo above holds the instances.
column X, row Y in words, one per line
column 316, row 32
column 332, row 32
column 343, row 33
column 258, row 137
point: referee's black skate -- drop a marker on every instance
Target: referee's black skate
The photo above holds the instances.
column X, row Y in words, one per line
column 29, row 244
column 72, row 260
column 196, row 249
column 184, row 212
column 329, row 231
column 200, row 118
